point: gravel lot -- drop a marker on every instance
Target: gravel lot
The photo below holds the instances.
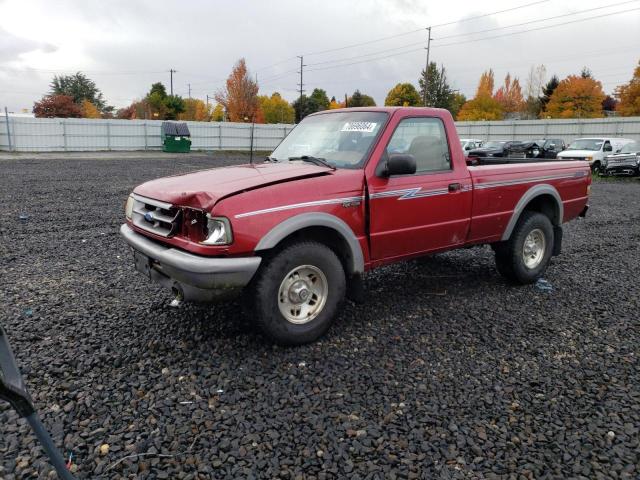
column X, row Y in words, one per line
column 445, row 372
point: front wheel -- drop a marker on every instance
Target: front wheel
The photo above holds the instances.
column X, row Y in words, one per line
column 298, row 292
column 596, row 168
column 525, row 256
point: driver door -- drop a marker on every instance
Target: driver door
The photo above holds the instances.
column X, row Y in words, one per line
column 426, row 211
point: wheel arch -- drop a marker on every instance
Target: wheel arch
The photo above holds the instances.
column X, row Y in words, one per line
column 322, row 227
column 543, row 198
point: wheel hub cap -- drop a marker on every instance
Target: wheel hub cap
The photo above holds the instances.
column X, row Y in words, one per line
column 302, row 294
column 534, row 248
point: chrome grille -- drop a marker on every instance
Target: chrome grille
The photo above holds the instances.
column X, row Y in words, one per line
column 155, row 216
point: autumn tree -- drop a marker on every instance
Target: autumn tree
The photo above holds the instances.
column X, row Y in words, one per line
column 89, row 110
column 486, row 84
column 195, row 110
column 576, row 97
column 79, row 87
column 218, row 113
column 127, row 113
column 275, row 109
column 629, row 95
column 483, row 106
column 509, row 96
column 61, row 106
column 333, row 104
column 359, row 99
column 240, row 96
column 403, row 95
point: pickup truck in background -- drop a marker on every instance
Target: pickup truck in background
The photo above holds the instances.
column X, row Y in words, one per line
column 593, row 150
column 543, row 148
column 345, row 192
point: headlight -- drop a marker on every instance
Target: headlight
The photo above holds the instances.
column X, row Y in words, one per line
column 588, row 159
column 128, row 208
column 218, row 231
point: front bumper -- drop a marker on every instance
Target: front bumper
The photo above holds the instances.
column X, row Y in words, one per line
column 194, row 277
column 630, row 169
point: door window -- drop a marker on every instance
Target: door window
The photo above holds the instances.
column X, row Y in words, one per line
column 426, row 140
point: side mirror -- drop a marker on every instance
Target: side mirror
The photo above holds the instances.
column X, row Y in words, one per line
column 399, row 164
column 607, row 148
column 12, row 387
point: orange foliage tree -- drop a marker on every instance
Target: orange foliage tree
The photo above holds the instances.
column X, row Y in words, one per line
column 509, row 96
column 89, row 110
column 61, row 106
column 629, row 95
column 240, row 97
column 576, row 97
column 483, row 106
column 196, row 110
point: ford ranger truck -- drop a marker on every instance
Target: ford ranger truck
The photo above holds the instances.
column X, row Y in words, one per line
column 346, row 191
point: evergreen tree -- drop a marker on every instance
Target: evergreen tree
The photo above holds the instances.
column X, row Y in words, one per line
column 439, row 93
column 547, row 91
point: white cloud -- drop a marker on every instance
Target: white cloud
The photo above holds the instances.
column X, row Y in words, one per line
column 125, row 46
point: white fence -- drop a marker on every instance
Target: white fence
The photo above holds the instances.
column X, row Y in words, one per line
column 568, row 130
column 75, row 134
column 80, row 134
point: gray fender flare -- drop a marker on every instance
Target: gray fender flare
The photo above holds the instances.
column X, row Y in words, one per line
column 315, row 219
column 533, row 192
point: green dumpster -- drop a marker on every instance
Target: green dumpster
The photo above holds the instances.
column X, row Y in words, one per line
column 176, row 137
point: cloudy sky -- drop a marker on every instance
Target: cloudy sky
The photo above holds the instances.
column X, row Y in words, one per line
column 370, row 45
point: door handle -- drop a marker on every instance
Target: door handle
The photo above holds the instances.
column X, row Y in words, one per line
column 455, row 187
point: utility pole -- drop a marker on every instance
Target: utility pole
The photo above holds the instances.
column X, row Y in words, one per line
column 301, row 84
column 207, row 101
column 172, row 71
column 189, row 85
column 426, row 69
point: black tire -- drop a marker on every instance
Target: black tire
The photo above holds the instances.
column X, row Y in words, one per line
column 596, row 167
column 510, row 254
column 274, row 271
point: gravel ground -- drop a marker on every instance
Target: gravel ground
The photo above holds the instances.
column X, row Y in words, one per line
column 445, row 372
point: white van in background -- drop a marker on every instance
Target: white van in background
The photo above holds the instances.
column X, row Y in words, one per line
column 593, row 150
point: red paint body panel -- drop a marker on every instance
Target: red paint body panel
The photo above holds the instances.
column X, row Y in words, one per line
column 257, row 198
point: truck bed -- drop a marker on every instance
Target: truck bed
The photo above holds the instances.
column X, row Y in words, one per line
column 480, row 161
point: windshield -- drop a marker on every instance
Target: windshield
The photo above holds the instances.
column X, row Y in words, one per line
column 493, row 144
column 342, row 138
column 593, row 144
column 632, row 147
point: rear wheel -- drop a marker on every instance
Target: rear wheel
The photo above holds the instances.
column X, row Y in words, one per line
column 298, row 292
column 596, row 167
column 525, row 256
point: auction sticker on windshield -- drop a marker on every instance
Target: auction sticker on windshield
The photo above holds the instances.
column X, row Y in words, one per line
column 366, row 127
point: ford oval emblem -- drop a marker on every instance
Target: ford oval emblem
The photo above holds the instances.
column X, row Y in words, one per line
column 148, row 216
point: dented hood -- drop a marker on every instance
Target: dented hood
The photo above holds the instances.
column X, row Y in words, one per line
column 204, row 188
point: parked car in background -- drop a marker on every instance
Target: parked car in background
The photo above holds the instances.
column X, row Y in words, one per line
column 493, row 148
column 593, row 150
column 468, row 144
column 625, row 162
column 543, row 148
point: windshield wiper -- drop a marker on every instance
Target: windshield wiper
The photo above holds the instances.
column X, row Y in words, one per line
column 316, row 160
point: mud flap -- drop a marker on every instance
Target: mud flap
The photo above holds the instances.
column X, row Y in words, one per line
column 557, row 241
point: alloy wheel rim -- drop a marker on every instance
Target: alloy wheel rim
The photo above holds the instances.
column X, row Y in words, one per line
column 533, row 248
column 302, row 294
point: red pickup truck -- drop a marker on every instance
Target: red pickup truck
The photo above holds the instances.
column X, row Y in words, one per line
column 346, row 191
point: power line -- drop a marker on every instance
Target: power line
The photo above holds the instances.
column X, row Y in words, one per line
column 439, row 38
column 382, row 39
column 539, row 28
column 536, row 21
column 476, row 39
